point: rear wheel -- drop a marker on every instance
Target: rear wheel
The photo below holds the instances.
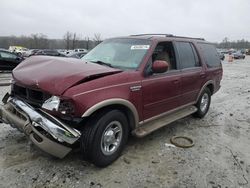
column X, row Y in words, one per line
column 203, row 103
column 104, row 137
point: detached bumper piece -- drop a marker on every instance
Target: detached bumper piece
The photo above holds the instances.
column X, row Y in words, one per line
column 44, row 130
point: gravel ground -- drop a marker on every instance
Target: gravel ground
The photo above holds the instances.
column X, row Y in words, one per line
column 219, row 158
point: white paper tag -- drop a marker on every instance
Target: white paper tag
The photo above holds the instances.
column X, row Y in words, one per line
column 139, row 47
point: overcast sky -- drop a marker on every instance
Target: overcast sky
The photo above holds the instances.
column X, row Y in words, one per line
column 211, row 19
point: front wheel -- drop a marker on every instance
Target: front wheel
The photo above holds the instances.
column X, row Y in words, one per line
column 104, row 137
column 203, row 103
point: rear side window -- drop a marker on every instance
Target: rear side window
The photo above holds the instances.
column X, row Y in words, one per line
column 187, row 55
column 210, row 54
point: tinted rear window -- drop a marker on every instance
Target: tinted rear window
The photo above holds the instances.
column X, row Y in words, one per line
column 187, row 55
column 210, row 54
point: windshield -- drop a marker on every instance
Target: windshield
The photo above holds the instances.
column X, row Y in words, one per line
column 119, row 53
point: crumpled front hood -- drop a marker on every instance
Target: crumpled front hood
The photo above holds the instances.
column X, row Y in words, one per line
column 56, row 74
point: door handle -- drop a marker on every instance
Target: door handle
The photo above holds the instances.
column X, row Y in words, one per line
column 202, row 75
column 217, row 72
column 176, row 81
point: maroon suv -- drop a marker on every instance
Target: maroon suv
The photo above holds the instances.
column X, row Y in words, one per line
column 134, row 84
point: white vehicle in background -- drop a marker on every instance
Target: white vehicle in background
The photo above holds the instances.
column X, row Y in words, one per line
column 67, row 52
column 63, row 51
column 70, row 52
column 18, row 49
column 80, row 50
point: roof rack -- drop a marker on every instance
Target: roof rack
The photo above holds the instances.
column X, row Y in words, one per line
column 189, row 38
column 169, row 35
column 150, row 34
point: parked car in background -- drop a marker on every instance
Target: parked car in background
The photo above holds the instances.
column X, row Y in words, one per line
column 132, row 85
column 224, row 51
column 222, row 56
column 50, row 53
column 30, row 52
column 77, row 55
column 62, row 51
column 8, row 60
column 80, row 50
column 18, row 49
column 232, row 50
column 68, row 52
column 243, row 51
column 238, row 55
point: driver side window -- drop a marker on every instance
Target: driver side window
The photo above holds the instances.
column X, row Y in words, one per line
column 164, row 51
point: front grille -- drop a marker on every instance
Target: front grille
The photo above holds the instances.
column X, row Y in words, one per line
column 31, row 96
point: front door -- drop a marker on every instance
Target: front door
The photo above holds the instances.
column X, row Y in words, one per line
column 161, row 92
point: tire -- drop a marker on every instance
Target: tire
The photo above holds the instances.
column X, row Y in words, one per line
column 104, row 137
column 203, row 103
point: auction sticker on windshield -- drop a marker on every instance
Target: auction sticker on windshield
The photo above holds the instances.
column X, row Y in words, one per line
column 139, row 47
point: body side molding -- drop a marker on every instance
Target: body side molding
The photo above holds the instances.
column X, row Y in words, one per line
column 203, row 87
column 114, row 101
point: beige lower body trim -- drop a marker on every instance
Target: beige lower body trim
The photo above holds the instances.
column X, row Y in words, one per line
column 47, row 145
column 115, row 101
column 153, row 125
column 203, row 87
column 165, row 113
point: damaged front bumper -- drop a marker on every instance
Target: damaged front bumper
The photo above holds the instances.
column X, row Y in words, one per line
column 44, row 130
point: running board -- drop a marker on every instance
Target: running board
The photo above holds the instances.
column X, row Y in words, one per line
column 153, row 125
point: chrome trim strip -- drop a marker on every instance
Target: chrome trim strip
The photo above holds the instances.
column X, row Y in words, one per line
column 158, row 78
column 107, row 87
column 61, row 133
column 73, row 131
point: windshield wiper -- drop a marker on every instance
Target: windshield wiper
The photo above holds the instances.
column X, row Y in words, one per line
column 102, row 63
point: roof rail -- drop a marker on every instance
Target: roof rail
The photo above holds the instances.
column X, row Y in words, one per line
column 168, row 35
column 189, row 37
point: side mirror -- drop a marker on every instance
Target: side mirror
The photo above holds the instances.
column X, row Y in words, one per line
column 160, row 66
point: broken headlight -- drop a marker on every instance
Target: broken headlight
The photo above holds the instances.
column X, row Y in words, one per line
column 52, row 103
column 64, row 106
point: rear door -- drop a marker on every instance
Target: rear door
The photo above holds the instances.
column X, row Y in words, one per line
column 212, row 60
column 192, row 73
